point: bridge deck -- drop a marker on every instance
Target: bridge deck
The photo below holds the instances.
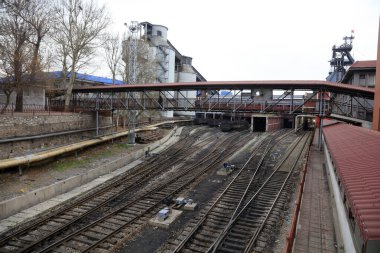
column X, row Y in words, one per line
column 237, row 85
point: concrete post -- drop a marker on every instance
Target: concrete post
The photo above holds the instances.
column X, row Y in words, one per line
column 320, row 121
column 97, row 122
column 292, row 105
column 320, row 133
column 97, row 114
column 376, row 104
column 112, row 110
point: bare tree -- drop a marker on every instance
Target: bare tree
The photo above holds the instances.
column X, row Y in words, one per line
column 40, row 17
column 80, row 30
column 7, row 84
column 112, row 49
column 14, row 33
column 23, row 26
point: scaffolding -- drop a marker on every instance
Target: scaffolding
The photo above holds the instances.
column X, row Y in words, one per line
column 162, row 56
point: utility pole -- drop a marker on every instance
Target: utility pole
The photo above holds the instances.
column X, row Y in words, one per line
column 133, row 29
column 132, row 77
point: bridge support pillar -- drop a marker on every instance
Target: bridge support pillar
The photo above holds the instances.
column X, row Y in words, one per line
column 97, row 122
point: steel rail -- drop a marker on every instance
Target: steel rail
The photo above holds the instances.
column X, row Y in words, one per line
column 254, row 237
column 147, row 173
column 174, row 191
column 155, row 190
column 202, row 220
column 213, row 248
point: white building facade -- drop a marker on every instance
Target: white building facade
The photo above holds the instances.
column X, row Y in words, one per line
column 171, row 65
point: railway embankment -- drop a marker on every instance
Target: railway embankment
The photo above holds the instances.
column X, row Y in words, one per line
column 87, row 180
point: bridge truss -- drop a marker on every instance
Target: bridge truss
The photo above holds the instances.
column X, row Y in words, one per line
column 154, row 97
column 320, row 101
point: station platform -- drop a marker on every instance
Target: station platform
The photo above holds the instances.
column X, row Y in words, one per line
column 315, row 229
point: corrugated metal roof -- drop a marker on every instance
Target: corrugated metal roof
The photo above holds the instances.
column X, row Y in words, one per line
column 86, row 77
column 355, row 152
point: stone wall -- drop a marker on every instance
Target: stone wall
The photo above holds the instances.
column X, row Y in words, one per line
column 24, row 126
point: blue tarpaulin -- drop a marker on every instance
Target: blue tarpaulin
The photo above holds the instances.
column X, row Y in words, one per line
column 86, row 77
column 225, row 93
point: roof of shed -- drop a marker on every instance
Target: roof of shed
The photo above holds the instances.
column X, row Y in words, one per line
column 363, row 64
column 88, row 78
column 358, row 66
column 355, row 152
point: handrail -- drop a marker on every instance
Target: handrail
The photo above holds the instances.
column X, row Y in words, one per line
column 292, row 231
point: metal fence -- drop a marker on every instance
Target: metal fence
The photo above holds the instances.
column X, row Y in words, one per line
column 31, row 109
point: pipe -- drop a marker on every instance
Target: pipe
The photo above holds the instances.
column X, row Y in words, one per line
column 28, row 159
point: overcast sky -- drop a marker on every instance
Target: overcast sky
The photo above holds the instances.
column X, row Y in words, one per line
column 257, row 40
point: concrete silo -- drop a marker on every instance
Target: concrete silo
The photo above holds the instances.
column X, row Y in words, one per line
column 186, row 73
column 161, row 62
column 156, row 35
column 165, row 55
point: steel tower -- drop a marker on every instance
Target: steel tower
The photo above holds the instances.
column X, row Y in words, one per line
column 341, row 59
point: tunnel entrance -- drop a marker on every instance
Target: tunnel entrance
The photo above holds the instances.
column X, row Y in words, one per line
column 305, row 122
column 309, row 124
column 259, row 124
column 288, row 123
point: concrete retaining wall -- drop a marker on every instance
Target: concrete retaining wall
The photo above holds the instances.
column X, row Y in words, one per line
column 15, row 205
column 273, row 124
column 19, row 126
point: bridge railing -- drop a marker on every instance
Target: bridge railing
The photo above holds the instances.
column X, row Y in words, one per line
column 105, row 102
column 30, row 109
column 184, row 104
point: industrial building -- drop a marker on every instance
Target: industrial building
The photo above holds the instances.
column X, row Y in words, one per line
column 344, row 69
column 158, row 56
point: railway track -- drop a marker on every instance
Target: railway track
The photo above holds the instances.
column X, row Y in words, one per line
column 244, row 229
column 86, row 225
column 96, row 200
column 225, row 226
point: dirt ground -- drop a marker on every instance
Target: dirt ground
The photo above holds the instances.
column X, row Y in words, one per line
column 12, row 184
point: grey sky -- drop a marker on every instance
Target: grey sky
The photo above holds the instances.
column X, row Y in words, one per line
column 257, row 40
